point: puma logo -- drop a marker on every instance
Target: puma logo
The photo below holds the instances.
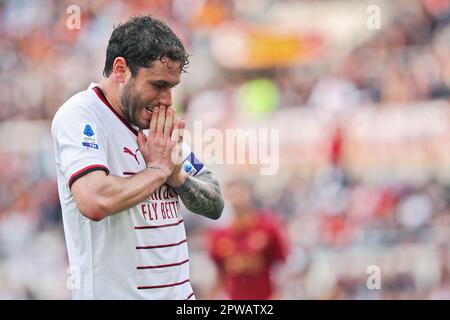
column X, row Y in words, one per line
column 131, row 153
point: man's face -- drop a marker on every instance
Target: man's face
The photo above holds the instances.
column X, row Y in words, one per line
column 149, row 88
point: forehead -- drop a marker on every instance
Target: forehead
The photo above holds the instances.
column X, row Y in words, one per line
column 166, row 70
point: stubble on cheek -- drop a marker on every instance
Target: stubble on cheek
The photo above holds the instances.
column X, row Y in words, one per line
column 130, row 104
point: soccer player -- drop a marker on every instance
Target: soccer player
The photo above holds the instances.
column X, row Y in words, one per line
column 247, row 251
column 119, row 186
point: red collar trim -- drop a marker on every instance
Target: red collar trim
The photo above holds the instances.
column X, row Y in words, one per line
column 102, row 97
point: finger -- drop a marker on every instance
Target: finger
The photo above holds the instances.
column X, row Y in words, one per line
column 173, row 118
column 169, row 121
column 141, row 139
column 177, row 151
column 161, row 120
column 176, row 131
column 182, row 126
column 153, row 121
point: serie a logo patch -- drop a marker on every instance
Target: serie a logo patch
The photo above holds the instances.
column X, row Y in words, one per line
column 192, row 165
column 189, row 168
column 88, row 136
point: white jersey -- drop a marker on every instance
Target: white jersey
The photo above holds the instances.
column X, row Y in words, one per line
column 140, row 253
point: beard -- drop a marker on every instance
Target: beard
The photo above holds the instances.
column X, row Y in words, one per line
column 132, row 104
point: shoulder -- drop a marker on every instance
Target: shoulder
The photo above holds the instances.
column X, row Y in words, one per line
column 81, row 106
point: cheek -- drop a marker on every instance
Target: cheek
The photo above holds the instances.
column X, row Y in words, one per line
column 139, row 102
column 148, row 93
column 146, row 98
column 142, row 112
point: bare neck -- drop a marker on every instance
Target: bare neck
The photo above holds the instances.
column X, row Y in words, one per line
column 111, row 90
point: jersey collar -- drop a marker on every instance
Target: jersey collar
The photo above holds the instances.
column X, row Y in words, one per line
column 102, row 97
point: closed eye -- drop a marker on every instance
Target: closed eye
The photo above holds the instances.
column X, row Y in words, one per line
column 163, row 85
column 159, row 86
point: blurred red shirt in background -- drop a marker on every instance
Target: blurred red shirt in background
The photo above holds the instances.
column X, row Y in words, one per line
column 245, row 253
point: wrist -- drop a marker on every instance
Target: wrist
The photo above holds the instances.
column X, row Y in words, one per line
column 159, row 171
column 177, row 179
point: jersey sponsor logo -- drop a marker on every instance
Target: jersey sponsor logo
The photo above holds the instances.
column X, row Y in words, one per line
column 131, row 153
column 88, row 138
column 161, row 205
column 161, row 210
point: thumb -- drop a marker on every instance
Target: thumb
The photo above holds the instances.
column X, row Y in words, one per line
column 141, row 139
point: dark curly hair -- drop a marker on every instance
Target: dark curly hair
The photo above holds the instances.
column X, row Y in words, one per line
column 142, row 40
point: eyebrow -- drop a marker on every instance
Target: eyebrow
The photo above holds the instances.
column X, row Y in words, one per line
column 163, row 83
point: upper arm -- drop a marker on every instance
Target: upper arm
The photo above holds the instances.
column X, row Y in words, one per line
column 81, row 151
column 207, row 176
column 80, row 144
column 86, row 192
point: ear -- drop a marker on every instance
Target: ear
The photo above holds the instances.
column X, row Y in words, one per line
column 120, row 69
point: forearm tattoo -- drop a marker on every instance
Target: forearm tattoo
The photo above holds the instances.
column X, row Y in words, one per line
column 201, row 195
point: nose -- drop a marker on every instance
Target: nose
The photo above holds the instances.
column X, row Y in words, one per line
column 165, row 97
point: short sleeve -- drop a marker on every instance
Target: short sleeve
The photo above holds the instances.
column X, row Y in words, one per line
column 80, row 144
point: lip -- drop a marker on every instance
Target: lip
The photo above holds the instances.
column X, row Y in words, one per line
column 151, row 107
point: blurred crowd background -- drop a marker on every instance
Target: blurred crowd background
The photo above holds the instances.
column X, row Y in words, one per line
column 363, row 118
